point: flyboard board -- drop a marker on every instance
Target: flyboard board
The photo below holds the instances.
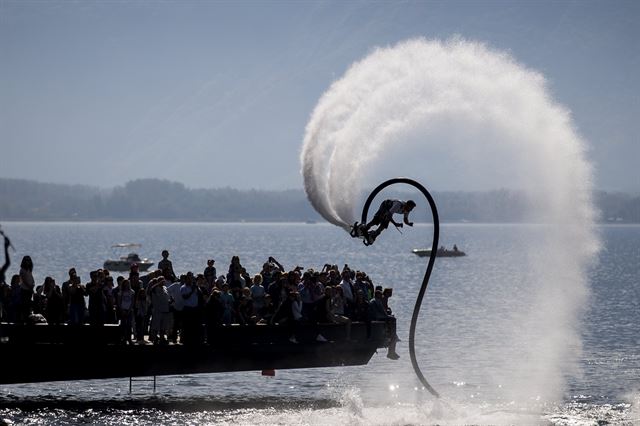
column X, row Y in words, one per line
column 360, row 231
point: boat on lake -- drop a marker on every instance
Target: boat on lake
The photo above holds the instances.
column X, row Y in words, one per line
column 442, row 252
column 123, row 263
column 46, row 352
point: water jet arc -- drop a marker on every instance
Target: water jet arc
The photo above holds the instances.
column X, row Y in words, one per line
column 427, row 274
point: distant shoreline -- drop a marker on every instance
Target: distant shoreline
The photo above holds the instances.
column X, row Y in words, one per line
column 155, row 200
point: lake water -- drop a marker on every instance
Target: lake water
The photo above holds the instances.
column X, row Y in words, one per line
column 473, row 341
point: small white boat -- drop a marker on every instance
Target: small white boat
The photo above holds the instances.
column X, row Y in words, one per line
column 442, row 252
column 123, row 263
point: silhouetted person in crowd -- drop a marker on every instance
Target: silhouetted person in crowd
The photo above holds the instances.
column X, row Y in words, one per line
column 178, row 306
column 330, row 311
column 141, row 313
column 266, row 274
column 15, row 297
column 146, row 279
column 246, row 315
column 165, row 263
column 296, row 315
column 203, row 290
column 234, row 277
column 361, row 307
column 257, row 293
column 277, row 288
column 284, row 312
column 347, row 290
column 110, row 301
column 275, row 264
column 97, row 299
column 361, row 284
column 213, row 316
column 160, row 316
column 27, row 285
column 65, row 292
column 125, row 301
column 189, row 294
column 228, row 302
column 41, row 296
column 115, row 293
column 210, row 273
column 386, row 294
column 54, row 305
column 377, row 312
column 134, row 280
column 77, row 304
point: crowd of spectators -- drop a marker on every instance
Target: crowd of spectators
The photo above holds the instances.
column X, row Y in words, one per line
column 161, row 307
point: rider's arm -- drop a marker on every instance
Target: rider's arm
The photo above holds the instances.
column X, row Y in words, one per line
column 406, row 219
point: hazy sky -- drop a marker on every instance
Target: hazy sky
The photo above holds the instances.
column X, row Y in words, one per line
column 218, row 94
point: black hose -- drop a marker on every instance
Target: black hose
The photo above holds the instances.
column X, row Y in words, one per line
column 425, row 280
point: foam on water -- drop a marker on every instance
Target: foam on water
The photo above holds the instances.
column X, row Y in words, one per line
column 293, row 412
column 460, row 114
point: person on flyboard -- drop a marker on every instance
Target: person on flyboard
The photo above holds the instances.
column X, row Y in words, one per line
column 383, row 216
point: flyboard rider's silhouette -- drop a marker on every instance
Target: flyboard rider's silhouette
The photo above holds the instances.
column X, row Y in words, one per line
column 383, row 216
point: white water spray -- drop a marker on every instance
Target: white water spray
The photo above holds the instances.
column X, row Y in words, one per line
column 459, row 113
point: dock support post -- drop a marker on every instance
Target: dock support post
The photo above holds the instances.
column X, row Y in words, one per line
column 132, row 379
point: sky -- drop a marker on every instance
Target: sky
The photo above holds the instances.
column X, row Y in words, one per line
column 215, row 94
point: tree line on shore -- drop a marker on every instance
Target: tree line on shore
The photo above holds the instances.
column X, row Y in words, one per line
column 163, row 200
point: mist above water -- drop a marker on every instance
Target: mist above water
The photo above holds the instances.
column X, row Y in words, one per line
column 460, row 114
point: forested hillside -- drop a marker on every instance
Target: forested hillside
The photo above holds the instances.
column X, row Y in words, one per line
column 155, row 199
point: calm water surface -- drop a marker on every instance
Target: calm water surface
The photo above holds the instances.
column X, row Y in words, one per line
column 469, row 341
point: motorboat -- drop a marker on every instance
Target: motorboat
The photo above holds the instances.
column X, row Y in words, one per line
column 123, row 263
column 442, row 252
